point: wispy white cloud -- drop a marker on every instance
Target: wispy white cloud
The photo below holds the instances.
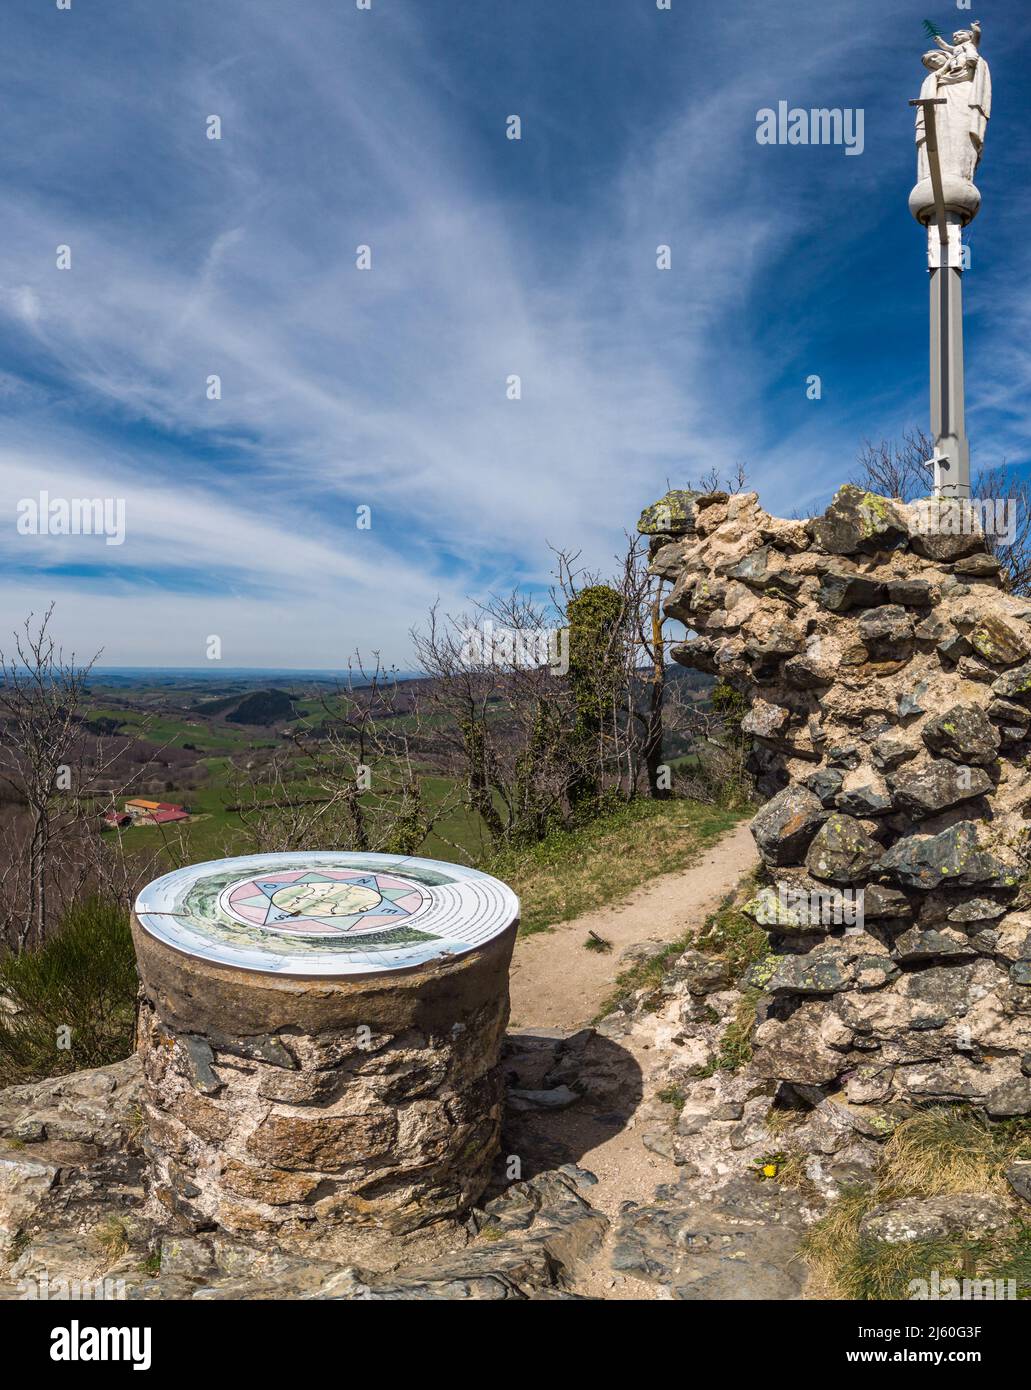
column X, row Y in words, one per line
column 388, row 388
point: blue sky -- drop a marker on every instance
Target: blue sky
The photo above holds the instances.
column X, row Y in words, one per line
column 491, row 257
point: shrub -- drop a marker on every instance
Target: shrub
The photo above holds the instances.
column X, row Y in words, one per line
column 730, row 705
column 79, row 989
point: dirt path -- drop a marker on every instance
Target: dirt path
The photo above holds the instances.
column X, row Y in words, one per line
column 558, row 983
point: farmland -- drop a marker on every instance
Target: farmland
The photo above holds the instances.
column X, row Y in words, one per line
column 193, row 748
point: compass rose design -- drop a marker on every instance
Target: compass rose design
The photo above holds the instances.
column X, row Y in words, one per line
column 331, row 902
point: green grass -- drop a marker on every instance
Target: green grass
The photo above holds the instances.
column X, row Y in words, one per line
column 179, row 730
column 672, row 1095
column 854, row 1268
column 459, row 834
column 937, row 1152
column 79, row 988
column 735, row 1048
column 574, row 871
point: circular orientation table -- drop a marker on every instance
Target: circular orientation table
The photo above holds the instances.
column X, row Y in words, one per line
column 325, row 913
column 321, row 1036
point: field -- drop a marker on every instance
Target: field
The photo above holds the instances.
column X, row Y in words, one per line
column 214, row 830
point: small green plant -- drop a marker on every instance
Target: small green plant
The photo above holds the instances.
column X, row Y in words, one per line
column 769, row 1166
column 672, row 1095
column 152, row 1264
column 730, row 704
column 735, row 1048
column 74, row 997
column 732, row 935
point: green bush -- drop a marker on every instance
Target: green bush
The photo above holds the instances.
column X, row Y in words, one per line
column 730, row 704
column 74, row 999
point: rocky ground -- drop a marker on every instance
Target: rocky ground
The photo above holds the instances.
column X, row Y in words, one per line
column 644, row 1171
column 594, row 1176
column 72, row 1199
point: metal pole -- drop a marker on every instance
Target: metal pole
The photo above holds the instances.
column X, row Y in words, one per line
column 951, row 461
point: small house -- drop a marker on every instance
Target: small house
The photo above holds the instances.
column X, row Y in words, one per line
column 143, row 812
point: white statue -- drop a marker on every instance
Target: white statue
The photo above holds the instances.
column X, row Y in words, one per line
column 957, row 72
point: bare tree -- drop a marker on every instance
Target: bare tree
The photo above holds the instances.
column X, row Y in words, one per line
column 1001, row 485
column 895, row 468
column 58, row 773
column 503, row 712
column 733, row 480
column 352, row 779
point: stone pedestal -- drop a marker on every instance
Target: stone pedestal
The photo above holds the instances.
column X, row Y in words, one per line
column 318, row 1088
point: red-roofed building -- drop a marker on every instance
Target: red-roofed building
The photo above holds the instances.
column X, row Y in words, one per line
column 165, row 813
column 144, row 812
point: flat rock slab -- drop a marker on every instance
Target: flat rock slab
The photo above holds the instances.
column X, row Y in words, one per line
column 969, row 1216
column 741, row 1244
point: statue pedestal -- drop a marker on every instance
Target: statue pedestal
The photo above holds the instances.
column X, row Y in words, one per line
column 961, row 198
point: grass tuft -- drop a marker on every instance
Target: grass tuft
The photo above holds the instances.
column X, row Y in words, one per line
column 938, row 1152
column 730, row 934
column 735, row 1047
column 599, row 944
column 112, row 1237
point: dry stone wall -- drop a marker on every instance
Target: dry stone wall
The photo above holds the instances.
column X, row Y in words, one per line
column 888, row 677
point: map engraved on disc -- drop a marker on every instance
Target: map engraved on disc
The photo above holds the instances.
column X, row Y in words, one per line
column 326, row 913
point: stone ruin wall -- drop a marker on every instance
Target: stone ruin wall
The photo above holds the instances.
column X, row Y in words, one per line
column 889, row 688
